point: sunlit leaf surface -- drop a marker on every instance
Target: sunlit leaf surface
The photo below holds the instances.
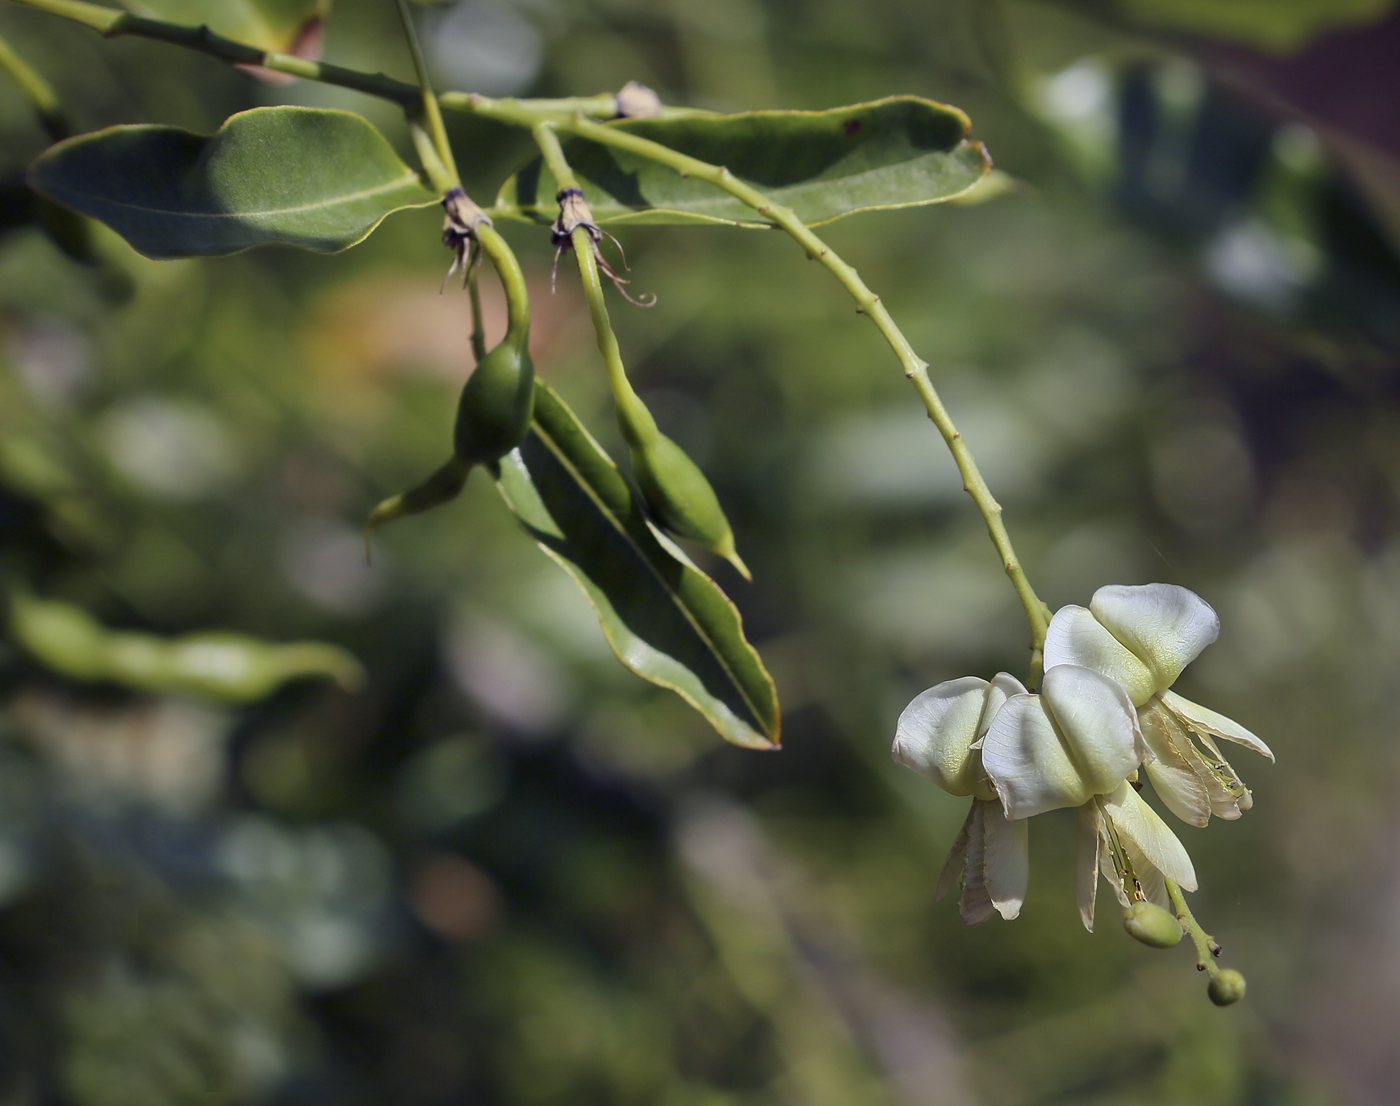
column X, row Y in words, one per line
column 899, row 152
column 307, row 177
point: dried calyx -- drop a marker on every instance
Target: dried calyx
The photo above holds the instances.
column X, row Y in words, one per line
column 574, row 213
column 459, row 230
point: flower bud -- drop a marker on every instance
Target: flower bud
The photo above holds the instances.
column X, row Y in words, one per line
column 1226, row 987
column 1149, row 923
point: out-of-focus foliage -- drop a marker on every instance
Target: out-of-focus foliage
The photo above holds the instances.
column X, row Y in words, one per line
column 510, row 871
column 286, row 26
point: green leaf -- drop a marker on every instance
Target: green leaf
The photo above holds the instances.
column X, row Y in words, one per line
column 666, row 620
column 231, row 667
column 898, row 152
column 284, row 26
column 307, row 177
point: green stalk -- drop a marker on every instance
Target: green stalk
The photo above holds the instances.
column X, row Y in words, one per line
column 37, row 91
column 512, row 280
column 114, row 23
column 432, row 115
column 623, row 393
column 478, row 323
column 868, row 303
column 1206, row 947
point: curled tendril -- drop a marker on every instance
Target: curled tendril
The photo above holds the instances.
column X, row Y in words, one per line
column 573, row 214
column 459, row 232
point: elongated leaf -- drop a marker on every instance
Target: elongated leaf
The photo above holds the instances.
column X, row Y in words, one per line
column 898, row 152
column 231, row 667
column 666, row 621
column 307, row 177
column 286, row 26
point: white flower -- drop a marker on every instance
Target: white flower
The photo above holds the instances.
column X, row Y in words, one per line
column 1142, row 637
column 937, row 738
column 1078, row 738
column 1019, row 755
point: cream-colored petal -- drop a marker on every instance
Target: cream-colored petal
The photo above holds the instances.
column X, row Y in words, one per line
column 1097, row 720
column 1109, row 867
column 1027, row 761
column 935, row 734
column 1173, row 774
column 957, row 856
column 1134, row 820
column 1007, row 860
column 1200, row 718
column 1228, row 794
column 1076, row 637
column 1154, row 887
column 1003, row 687
column 975, row 903
column 1086, row 872
column 1163, row 625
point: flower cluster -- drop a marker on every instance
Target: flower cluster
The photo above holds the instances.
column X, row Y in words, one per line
column 1104, row 708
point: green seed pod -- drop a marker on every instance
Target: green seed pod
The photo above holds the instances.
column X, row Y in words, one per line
column 441, row 487
column 497, row 404
column 493, row 417
column 675, row 490
column 1226, row 987
column 1149, row 923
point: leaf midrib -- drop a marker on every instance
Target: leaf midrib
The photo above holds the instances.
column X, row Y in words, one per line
column 786, row 191
column 345, row 198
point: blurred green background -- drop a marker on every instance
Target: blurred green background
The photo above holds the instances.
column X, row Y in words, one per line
column 511, row 872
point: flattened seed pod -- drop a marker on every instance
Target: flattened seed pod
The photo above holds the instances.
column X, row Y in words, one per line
column 675, row 489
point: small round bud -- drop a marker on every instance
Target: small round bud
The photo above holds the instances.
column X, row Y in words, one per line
column 1149, row 923
column 1226, row 987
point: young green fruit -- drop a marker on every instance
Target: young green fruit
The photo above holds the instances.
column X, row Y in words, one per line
column 1149, row 923
column 493, row 417
column 675, row 490
column 1226, row 987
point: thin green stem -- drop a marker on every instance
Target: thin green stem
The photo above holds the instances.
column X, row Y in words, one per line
column 548, row 142
column 1206, row 947
column 867, row 303
column 113, row 22
column 432, row 115
column 512, row 279
column 442, row 178
column 37, row 91
column 478, row 323
column 638, row 423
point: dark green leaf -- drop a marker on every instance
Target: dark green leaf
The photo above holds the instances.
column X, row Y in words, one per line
column 307, row 177
column 285, row 26
column 231, row 667
column 666, row 621
column 898, row 152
